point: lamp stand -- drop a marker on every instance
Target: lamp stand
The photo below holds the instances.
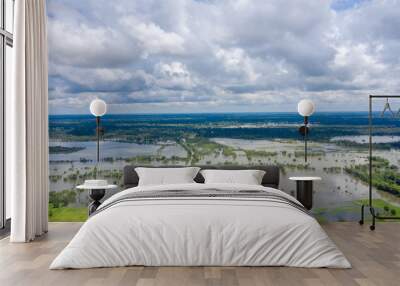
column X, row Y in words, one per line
column 304, row 132
column 305, row 146
column 98, row 137
column 99, row 132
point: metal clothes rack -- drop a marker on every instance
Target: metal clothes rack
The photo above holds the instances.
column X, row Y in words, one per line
column 369, row 205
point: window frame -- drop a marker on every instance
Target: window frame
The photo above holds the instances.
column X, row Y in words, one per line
column 6, row 39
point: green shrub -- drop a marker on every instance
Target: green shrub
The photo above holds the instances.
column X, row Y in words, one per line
column 62, row 199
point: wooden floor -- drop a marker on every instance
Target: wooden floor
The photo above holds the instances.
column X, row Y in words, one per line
column 375, row 257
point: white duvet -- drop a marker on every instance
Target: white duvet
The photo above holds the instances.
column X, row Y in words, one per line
column 193, row 231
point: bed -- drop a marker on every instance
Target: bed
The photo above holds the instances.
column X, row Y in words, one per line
column 197, row 224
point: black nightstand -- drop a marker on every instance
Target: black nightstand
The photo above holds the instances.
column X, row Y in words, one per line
column 304, row 190
column 96, row 194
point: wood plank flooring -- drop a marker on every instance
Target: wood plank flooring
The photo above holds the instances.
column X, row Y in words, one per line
column 375, row 257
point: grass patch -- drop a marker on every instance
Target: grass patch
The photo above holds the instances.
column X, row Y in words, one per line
column 384, row 208
column 352, row 211
column 385, row 177
column 197, row 148
column 68, row 214
column 259, row 153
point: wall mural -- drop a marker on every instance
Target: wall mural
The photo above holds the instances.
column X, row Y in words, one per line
column 217, row 82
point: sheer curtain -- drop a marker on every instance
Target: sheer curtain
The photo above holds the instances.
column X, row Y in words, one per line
column 27, row 123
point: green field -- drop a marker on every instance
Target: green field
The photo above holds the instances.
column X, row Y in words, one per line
column 386, row 177
column 65, row 214
column 382, row 208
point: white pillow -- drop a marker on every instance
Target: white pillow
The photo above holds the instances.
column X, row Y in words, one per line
column 248, row 177
column 165, row 176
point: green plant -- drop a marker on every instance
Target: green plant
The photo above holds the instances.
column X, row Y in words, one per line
column 61, row 199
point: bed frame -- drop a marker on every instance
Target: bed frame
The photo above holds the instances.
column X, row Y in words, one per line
column 270, row 179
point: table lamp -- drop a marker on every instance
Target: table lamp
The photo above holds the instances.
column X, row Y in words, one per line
column 305, row 108
column 98, row 108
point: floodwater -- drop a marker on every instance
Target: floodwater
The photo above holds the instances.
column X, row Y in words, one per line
column 335, row 188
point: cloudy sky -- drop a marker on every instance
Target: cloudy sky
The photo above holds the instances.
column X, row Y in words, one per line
column 152, row 56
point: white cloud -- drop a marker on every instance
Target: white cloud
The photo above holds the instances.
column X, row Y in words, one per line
column 152, row 38
column 235, row 60
column 79, row 43
column 173, row 75
column 226, row 54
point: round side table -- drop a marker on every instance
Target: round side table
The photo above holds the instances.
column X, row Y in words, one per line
column 304, row 190
column 96, row 193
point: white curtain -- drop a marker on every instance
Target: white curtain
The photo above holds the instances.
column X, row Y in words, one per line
column 27, row 123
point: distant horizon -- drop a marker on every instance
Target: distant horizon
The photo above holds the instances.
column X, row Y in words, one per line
column 221, row 112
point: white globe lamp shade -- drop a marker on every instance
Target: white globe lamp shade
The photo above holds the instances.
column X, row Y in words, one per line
column 306, row 107
column 98, row 107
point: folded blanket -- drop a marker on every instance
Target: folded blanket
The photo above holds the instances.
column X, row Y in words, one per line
column 206, row 193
